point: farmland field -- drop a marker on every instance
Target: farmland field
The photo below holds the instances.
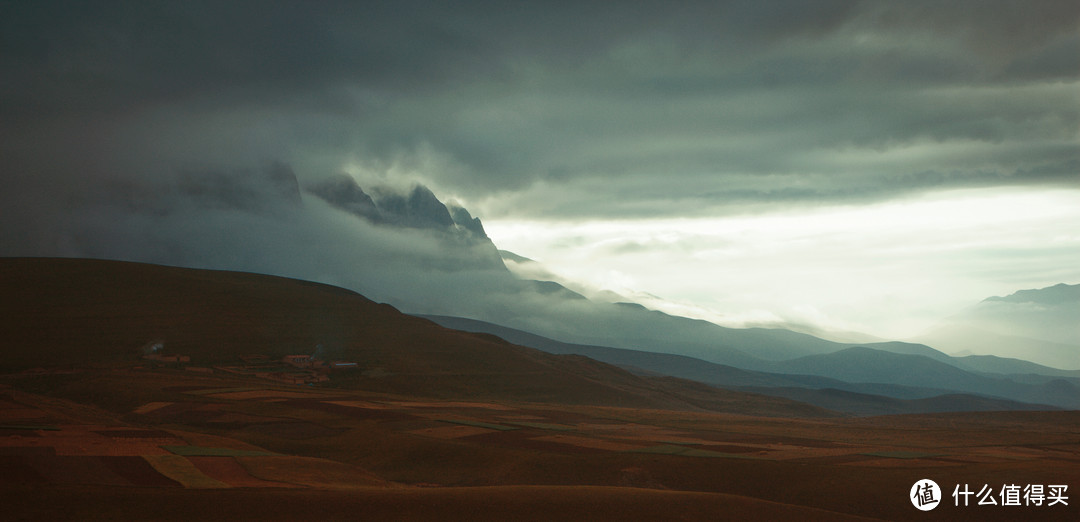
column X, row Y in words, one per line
column 390, row 450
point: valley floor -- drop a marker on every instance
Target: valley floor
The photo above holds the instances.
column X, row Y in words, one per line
column 126, row 442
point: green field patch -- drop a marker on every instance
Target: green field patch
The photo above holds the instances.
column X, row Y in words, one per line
column 211, row 391
column 544, row 426
column 28, row 427
column 685, row 451
column 902, row 454
column 487, row 425
column 201, row 451
column 183, row 471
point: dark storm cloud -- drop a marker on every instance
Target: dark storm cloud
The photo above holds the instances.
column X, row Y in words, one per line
column 81, row 55
column 522, row 106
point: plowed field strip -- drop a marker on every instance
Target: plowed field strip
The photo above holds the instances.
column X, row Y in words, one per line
column 585, row 442
column 15, row 470
column 149, row 407
column 138, row 471
column 227, row 470
column 243, row 395
column 86, row 470
column 183, row 471
column 487, row 425
column 199, row 451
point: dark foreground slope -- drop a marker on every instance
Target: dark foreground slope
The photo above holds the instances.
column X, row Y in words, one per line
column 73, row 312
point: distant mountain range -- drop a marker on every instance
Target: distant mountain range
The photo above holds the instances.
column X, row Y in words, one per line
column 1041, row 326
column 867, row 373
column 1059, row 294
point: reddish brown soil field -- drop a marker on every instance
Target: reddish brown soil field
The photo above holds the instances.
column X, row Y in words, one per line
column 264, row 394
column 351, row 411
column 451, row 432
column 415, row 504
column 149, row 407
column 121, row 433
column 75, row 470
column 588, row 442
column 362, row 452
column 11, row 413
column 227, row 470
column 137, row 471
column 293, row 430
column 77, row 440
column 17, row 470
column 311, row 472
column 367, row 405
column 27, row 451
column 451, row 405
column 532, row 441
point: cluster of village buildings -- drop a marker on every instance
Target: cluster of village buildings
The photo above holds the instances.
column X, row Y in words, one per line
column 291, row 369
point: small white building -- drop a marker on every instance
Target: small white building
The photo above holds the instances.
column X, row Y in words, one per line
column 299, row 361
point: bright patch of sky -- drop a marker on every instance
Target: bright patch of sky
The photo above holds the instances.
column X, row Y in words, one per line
column 889, row 269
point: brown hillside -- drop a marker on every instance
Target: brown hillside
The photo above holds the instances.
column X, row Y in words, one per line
column 59, row 312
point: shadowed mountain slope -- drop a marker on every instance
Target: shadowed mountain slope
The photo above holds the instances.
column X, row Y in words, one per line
column 642, row 361
column 991, row 364
column 76, row 312
column 861, row 364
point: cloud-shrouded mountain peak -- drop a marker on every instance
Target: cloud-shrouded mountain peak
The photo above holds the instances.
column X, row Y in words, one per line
column 417, row 207
column 1060, row 293
column 464, row 219
column 1038, row 325
column 343, row 192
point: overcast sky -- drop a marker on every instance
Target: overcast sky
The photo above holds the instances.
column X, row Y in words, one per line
column 854, row 165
